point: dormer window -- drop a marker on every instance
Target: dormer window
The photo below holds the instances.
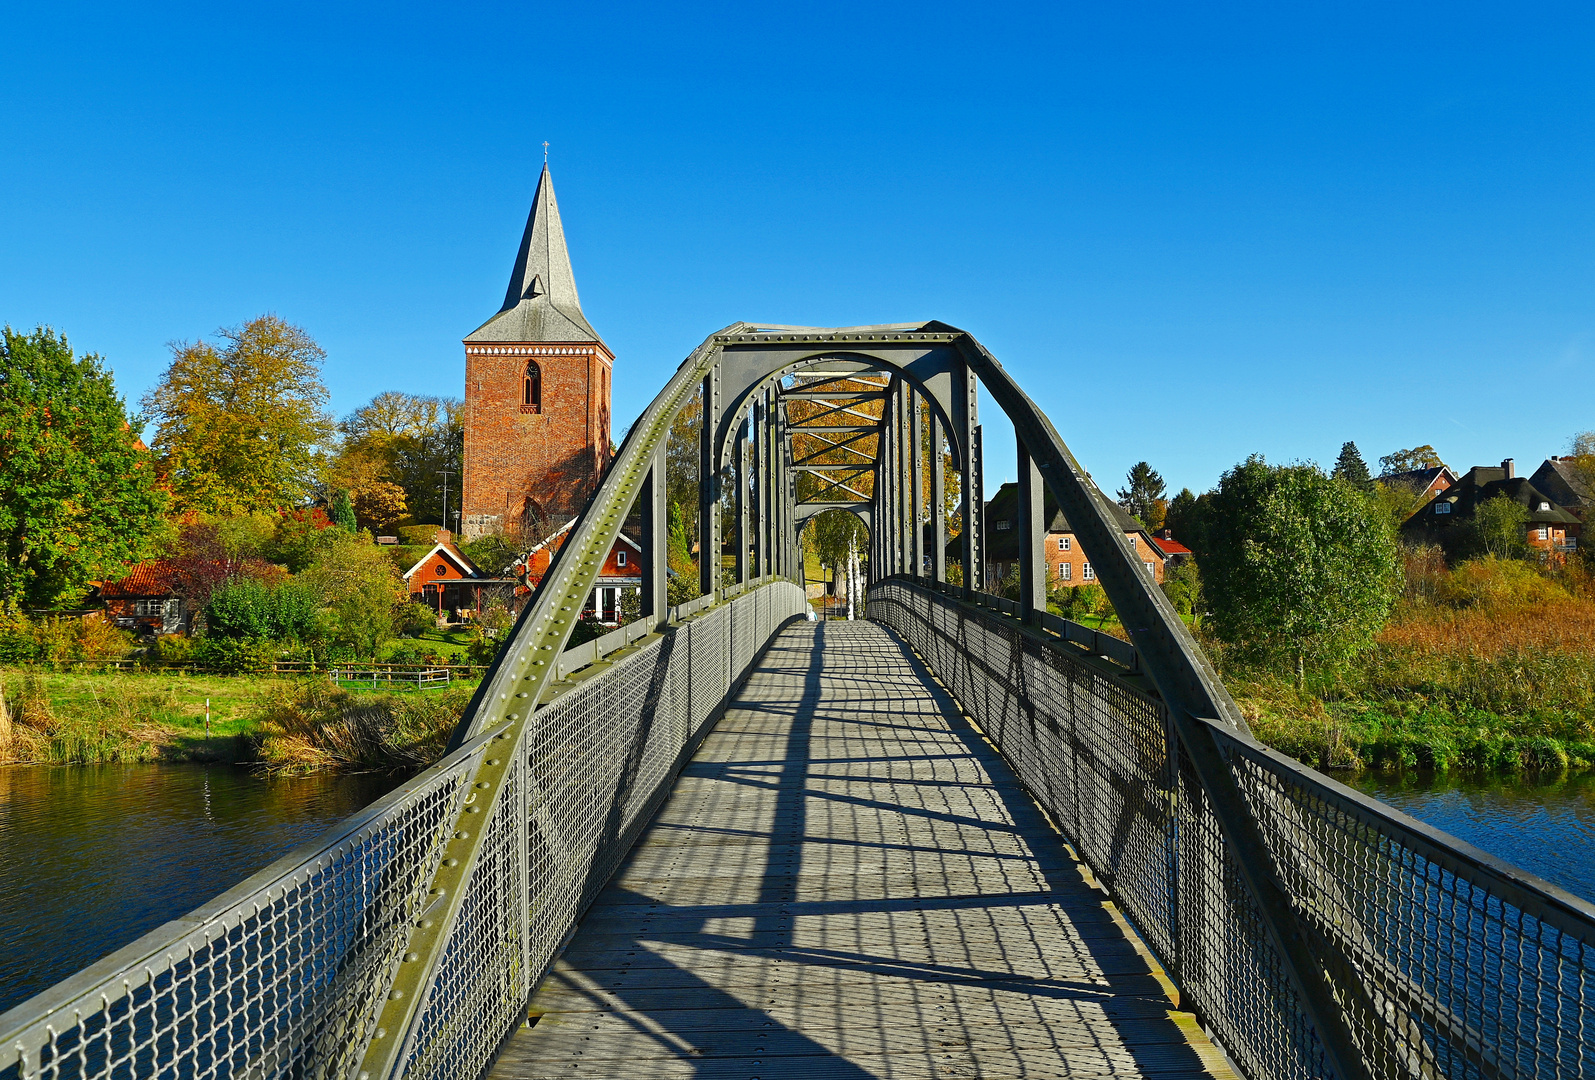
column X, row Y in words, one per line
column 1544, row 506
column 532, row 388
column 1442, row 508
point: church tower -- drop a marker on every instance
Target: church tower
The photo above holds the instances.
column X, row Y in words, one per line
column 536, row 393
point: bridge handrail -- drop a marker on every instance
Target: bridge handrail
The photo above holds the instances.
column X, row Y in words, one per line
column 1450, row 961
column 285, row 973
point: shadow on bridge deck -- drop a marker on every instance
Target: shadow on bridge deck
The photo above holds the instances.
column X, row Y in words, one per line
column 847, row 881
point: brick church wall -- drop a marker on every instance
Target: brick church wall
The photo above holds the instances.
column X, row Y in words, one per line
column 552, row 457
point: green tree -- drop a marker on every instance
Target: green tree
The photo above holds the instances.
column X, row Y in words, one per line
column 1419, row 457
column 1352, row 469
column 357, row 587
column 241, row 428
column 80, row 496
column 342, row 510
column 1500, row 527
column 833, row 534
column 1144, row 496
column 1296, row 564
column 1183, row 586
column 1186, row 517
column 1582, row 451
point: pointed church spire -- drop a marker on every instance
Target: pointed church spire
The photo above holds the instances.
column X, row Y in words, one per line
column 541, row 303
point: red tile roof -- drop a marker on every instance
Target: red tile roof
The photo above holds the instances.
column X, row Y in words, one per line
column 1170, row 546
column 152, row 577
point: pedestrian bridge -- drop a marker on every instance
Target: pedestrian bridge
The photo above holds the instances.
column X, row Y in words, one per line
column 963, row 838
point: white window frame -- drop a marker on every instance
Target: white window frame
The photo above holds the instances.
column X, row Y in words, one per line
column 620, row 558
column 1066, row 571
column 1088, row 574
column 1545, row 533
column 1148, row 566
column 1064, row 543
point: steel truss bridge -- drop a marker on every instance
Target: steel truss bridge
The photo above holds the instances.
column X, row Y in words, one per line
column 964, row 838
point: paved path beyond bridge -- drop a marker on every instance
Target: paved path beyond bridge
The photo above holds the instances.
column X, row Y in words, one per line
column 847, row 881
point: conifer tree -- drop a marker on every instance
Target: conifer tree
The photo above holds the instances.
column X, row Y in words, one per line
column 1351, row 468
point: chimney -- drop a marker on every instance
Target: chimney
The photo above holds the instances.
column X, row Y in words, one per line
column 1510, row 469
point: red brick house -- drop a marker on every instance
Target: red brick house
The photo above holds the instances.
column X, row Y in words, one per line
column 1427, row 483
column 446, row 581
column 1551, row 529
column 620, row 574
column 1067, row 565
column 537, row 392
column 1561, row 479
column 146, row 601
column 1174, row 552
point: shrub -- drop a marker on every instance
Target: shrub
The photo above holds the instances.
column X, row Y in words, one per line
column 237, row 655
column 1493, row 582
column 423, row 536
column 53, row 640
column 414, row 619
column 250, row 609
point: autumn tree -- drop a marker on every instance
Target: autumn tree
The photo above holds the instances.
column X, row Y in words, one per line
column 1419, row 457
column 392, row 456
column 1582, row 451
column 1296, row 564
column 240, row 426
column 1144, row 495
column 80, row 496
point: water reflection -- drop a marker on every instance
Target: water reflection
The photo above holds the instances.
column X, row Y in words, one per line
column 92, row 857
column 1545, row 825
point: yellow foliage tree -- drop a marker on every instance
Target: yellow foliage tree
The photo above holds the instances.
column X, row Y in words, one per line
column 240, row 427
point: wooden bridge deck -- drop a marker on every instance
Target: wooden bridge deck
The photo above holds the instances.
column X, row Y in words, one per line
column 847, row 881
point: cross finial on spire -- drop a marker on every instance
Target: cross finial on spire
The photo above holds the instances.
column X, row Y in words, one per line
column 545, row 151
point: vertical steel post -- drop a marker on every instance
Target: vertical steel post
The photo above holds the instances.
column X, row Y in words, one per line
column 741, row 454
column 917, row 484
column 709, row 487
column 966, row 430
column 760, row 489
column 938, row 498
column 1032, row 536
column 767, row 477
column 655, row 541
column 900, row 476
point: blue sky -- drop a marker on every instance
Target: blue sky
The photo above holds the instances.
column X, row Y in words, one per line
column 1193, row 232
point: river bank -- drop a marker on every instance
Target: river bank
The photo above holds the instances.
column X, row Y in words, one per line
column 275, row 724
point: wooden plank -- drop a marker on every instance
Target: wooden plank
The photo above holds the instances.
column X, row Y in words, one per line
column 847, row 881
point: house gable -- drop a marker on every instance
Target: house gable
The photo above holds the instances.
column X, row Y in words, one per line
column 446, row 563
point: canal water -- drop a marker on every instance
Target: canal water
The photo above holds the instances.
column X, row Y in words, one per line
column 92, row 857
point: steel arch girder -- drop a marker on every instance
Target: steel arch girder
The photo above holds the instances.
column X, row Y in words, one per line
column 749, row 363
column 807, row 512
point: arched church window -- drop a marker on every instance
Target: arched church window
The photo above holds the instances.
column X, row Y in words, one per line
column 532, row 388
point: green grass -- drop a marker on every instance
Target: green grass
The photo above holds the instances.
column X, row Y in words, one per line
column 74, row 717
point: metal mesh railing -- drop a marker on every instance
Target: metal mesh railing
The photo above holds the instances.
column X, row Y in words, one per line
column 1444, row 961
column 286, row 974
